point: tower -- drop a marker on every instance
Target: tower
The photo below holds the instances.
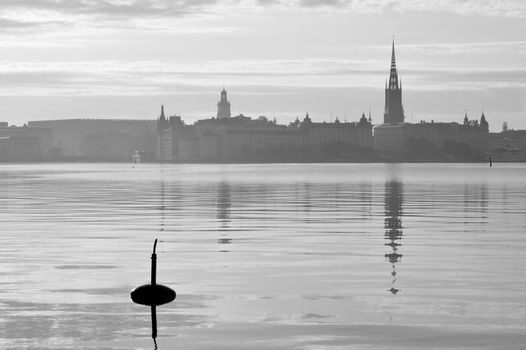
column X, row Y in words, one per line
column 394, row 111
column 162, row 122
column 223, row 106
column 164, row 138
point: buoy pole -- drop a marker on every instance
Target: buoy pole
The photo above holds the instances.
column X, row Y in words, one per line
column 154, row 325
column 154, row 264
column 154, row 308
column 153, row 294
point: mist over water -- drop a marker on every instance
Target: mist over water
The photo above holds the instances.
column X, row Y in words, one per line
column 267, row 256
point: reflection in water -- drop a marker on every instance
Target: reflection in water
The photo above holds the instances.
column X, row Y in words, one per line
column 476, row 199
column 393, row 226
column 303, row 276
column 224, row 203
column 4, row 191
column 162, row 206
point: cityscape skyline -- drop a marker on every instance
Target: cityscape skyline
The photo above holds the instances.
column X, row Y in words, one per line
column 123, row 60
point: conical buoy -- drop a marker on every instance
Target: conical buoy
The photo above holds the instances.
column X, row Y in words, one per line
column 153, row 294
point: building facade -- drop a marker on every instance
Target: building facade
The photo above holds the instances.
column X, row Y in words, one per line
column 24, row 143
column 436, row 137
column 508, row 145
column 100, row 139
column 398, row 139
column 241, row 137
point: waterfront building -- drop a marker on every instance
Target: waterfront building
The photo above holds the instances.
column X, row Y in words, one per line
column 399, row 139
column 508, row 145
column 431, row 137
column 24, row 143
column 241, row 137
column 100, row 139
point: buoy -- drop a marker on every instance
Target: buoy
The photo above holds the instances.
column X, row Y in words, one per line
column 153, row 294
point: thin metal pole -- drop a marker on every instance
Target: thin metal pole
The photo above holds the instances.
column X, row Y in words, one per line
column 154, row 325
column 154, row 265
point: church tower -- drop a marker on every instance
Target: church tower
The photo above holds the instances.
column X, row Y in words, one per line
column 162, row 122
column 223, row 106
column 394, row 111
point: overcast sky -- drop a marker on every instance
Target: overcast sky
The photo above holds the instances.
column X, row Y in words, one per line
column 124, row 58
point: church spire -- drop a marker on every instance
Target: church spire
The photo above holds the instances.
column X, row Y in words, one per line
column 393, row 75
column 394, row 111
column 162, row 118
column 393, row 59
column 162, row 123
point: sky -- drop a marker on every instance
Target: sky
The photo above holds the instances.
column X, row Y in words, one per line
column 64, row 59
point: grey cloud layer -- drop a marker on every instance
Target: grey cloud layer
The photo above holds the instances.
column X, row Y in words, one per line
column 118, row 10
column 157, row 78
column 112, row 7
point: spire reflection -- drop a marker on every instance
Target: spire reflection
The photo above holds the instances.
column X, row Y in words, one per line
column 224, row 203
column 393, row 226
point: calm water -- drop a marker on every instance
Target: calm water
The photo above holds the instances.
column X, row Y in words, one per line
column 329, row 256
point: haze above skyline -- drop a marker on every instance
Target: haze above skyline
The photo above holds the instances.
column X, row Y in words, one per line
column 123, row 59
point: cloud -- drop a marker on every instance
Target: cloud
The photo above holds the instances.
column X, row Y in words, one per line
column 13, row 24
column 119, row 8
column 32, row 14
column 27, row 14
column 514, row 8
column 493, row 48
column 118, row 78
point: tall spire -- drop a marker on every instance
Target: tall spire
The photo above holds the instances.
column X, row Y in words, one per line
column 393, row 59
column 162, row 123
column 394, row 111
column 162, row 117
column 393, row 76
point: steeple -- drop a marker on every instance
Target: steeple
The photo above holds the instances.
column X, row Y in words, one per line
column 394, row 111
column 393, row 75
column 162, row 118
column 483, row 121
column 393, row 59
column 162, row 123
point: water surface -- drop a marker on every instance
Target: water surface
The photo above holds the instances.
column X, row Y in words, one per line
column 286, row 256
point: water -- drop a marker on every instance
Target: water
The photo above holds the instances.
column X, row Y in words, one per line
column 321, row 256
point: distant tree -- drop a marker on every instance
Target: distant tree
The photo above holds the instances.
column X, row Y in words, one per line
column 504, row 126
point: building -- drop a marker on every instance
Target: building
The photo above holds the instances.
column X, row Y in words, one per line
column 100, row 139
column 244, row 138
column 223, row 106
column 394, row 111
column 24, row 143
column 508, row 145
column 431, row 137
column 425, row 140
